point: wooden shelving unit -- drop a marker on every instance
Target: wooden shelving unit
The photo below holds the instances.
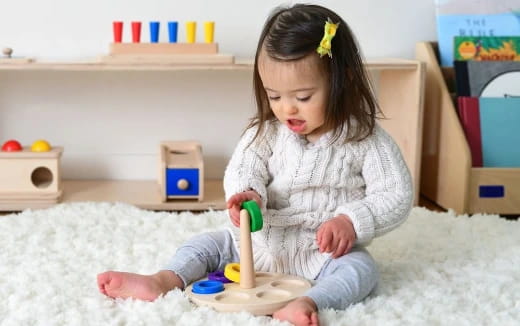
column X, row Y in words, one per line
column 101, row 66
column 240, row 64
column 399, row 85
column 447, row 177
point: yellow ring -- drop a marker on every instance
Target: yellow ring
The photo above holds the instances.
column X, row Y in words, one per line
column 232, row 272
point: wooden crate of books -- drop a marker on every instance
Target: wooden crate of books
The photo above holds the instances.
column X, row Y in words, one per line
column 447, row 175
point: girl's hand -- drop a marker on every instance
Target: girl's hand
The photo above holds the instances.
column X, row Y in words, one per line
column 235, row 201
column 336, row 236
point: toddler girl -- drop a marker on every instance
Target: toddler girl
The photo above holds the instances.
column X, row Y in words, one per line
column 327, row 177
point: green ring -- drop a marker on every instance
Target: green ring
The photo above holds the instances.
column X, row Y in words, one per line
column 255, row 215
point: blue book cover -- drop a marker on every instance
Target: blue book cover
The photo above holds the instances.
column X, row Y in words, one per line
column 499, row 127
column 474, row 18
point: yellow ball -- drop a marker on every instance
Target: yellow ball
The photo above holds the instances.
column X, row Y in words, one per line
column 40, row 146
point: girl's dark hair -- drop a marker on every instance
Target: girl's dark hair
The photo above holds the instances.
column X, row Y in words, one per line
column 291, row 33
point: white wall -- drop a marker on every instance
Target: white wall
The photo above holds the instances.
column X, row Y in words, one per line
column 110, row 123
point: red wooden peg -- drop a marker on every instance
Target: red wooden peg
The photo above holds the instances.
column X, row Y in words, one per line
column 136, row 32
column 118, row 31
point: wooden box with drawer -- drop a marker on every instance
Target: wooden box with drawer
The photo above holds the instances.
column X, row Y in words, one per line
column 181, row 170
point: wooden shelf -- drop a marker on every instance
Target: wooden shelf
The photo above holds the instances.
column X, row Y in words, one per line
column 241, row 64
column 98, row 66
column 448, row 178
column 141, row 193
column 400, row 87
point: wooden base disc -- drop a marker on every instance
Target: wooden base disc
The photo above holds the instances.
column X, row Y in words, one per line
column 272, row 292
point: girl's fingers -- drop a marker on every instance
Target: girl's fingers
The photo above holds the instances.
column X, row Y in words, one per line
column 314, row 319
column 333, row 243
column 232, row 201
column 325, row 241
column 340, row 249
column 237, row 199
column 234, row 214
column 236, row 222
column 257, row 198
column 234, row 204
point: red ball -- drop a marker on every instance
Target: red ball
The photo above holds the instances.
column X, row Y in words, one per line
column 11, row 146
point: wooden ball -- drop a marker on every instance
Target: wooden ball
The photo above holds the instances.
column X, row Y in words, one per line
column 7, row 52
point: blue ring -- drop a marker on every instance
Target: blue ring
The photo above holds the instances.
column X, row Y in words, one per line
column 207, row 287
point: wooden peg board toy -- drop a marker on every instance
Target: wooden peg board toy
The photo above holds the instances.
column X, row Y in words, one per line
column 30, row 174
column 258, row 293
column 181, row 170
column 171, row 52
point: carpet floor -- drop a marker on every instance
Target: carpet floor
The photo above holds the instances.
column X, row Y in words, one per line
column 436, row 269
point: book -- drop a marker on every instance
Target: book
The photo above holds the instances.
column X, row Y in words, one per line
column 469, row 114
column 491, row 128
column 499, row 126
column 462, row 78
column 474, row 18
column 487, row 78
column 487, row 48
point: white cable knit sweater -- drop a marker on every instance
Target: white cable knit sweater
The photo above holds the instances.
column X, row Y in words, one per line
column 304, row 184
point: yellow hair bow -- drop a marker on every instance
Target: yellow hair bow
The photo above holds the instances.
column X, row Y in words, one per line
column 328, row 35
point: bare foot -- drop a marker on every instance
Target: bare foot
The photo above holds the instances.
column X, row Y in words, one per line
column 143, row 287
column 300, row 312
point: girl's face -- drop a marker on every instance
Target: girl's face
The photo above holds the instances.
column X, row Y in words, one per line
column 297, row 93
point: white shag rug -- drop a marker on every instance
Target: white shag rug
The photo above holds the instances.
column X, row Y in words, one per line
column 437, row 269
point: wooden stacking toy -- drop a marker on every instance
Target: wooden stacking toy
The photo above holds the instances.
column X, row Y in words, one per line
column 260, row 293
column 171, row 52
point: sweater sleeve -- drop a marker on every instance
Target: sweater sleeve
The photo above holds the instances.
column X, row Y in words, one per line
column 389, row 190
column 247, row 168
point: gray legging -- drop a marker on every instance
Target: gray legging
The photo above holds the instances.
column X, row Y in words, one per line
column 341, row 281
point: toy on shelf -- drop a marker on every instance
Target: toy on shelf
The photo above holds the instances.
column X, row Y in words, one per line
column 172, row 31
column 136, row 32
column 40, row 146
column 181, row 172
column 172, row 52
column 259, row 293
column 7, row 52
column 11, row 146
column 30, row 174
column 8, row 57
